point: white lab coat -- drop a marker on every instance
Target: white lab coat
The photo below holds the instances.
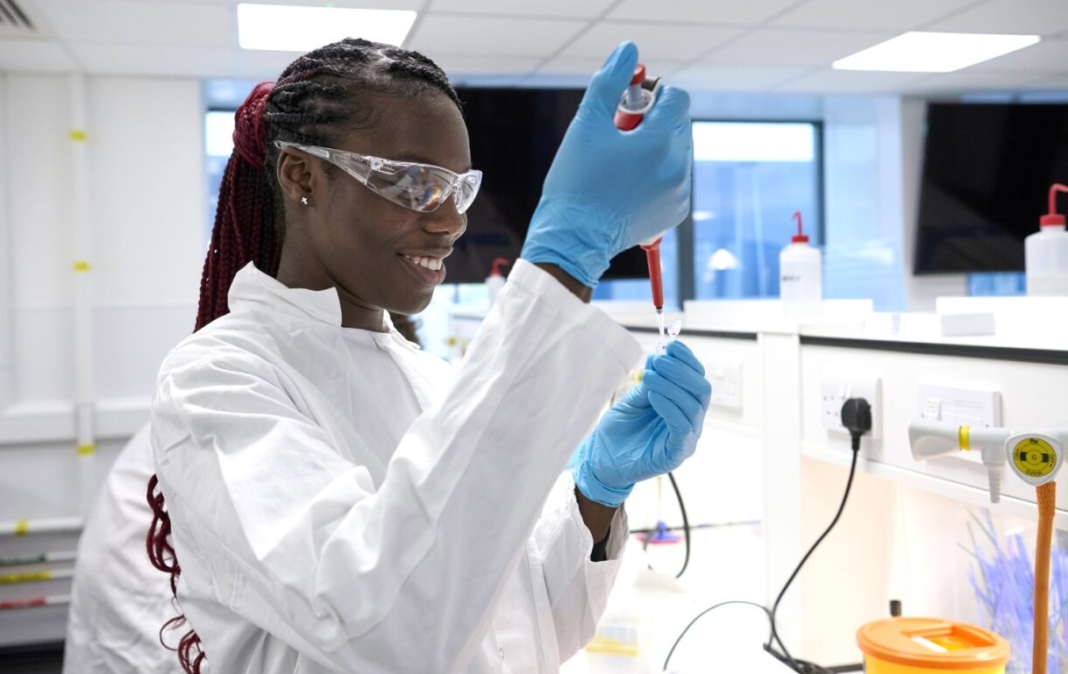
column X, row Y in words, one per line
column 342, row 502
column 119, row 600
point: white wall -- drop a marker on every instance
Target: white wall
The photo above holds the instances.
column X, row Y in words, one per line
column 147, row 188
column 6, row 374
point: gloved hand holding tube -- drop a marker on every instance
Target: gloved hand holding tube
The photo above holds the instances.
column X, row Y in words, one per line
column 609, row 190
column 649, row 432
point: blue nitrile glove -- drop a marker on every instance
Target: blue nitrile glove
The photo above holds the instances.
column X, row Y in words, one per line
column 649, row 432
column 609, row 190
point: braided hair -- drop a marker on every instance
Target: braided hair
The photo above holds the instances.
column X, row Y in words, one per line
column 315, row 100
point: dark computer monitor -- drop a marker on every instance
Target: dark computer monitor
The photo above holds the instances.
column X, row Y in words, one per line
column 987, row 169
column 514, row 136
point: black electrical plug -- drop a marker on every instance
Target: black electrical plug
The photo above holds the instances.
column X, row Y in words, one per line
column 856, row 417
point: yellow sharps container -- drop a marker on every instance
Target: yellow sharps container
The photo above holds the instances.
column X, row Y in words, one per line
column 930, row 646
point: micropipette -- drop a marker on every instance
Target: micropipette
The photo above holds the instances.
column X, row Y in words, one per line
column 638, row 99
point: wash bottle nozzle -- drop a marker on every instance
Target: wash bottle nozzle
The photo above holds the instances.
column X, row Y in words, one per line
column 800, row 237
column 495, row 281
column 1053, row 218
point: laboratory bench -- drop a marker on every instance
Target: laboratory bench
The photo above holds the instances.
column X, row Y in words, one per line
column 779, row 384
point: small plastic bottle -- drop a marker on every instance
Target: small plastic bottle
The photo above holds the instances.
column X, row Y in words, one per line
column 495, row 281
column 800, row 275
column 1046, row 252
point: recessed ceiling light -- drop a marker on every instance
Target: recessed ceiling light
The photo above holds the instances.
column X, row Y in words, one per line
column 286, row 28
column 919, row 52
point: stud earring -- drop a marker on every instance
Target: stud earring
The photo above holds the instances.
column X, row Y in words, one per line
column 304, row 200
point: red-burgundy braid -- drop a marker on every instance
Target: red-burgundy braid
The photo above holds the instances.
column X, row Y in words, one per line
column 316, row 98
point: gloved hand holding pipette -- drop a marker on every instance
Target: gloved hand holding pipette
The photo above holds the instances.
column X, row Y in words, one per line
column 649, row 432
column 609, row 189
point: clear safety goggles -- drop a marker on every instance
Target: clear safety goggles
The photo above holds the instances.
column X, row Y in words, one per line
column 420, row 187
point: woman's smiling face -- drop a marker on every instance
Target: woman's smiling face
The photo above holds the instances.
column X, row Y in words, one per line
column 379, row 255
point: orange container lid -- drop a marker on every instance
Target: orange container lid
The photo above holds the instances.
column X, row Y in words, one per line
column 933, row 644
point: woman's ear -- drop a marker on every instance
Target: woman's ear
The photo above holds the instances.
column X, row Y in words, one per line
column 295, row 175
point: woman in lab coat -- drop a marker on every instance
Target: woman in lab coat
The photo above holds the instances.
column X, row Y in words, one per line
column 118, row 600
column 338, row 500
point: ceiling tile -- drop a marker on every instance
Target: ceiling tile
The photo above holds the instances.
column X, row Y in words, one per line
column 655, row 41
column 1058, row 81
column 347, row 4
column 831, row 81
column 454, row 65
column 478, row 36
column 261, row 64
column 36, row 17
column 1048, row 56
column 586, row 67
column 748, row 13
column 1033, row 17
column 734, row 78
column 161, row 60
column 144, row 23
column 970, row 80
column 561, row 9
column 779, row 47
column 881, row 15
column 40, row 56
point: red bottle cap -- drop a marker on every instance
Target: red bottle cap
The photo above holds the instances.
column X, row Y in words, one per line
column 499, row 262
column 800, row 237
column 1053, row 218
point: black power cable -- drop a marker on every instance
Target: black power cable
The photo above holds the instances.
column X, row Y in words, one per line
column 857, row 418
column 685, row 528
column 709, row 610
column 685, row 525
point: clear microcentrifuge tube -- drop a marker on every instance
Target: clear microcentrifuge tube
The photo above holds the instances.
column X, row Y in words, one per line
column 673, row 331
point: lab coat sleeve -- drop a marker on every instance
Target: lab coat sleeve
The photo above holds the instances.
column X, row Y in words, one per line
column 283, row 531
column 577, row 589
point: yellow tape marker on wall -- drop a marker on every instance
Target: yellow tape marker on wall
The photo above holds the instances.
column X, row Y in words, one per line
column 965, row 438
column 79, row 135
column 85, row 450
column 22, row 527
column 81, row 265
column 25, row 577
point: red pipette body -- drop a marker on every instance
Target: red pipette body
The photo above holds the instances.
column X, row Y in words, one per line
column 640, row 96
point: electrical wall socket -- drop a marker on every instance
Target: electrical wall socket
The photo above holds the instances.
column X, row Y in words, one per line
column 725, row 375
column 835, row 391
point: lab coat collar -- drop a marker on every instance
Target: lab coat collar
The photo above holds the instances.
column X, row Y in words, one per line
column 251, row 286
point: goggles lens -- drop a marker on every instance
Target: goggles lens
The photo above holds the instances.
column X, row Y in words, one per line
column 420, row 187
column 424, row 187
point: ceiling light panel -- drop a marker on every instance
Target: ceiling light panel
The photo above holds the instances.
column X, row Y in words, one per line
column 793, row 48
column 1048, row 56
column 298, row 29
column 920, row 52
